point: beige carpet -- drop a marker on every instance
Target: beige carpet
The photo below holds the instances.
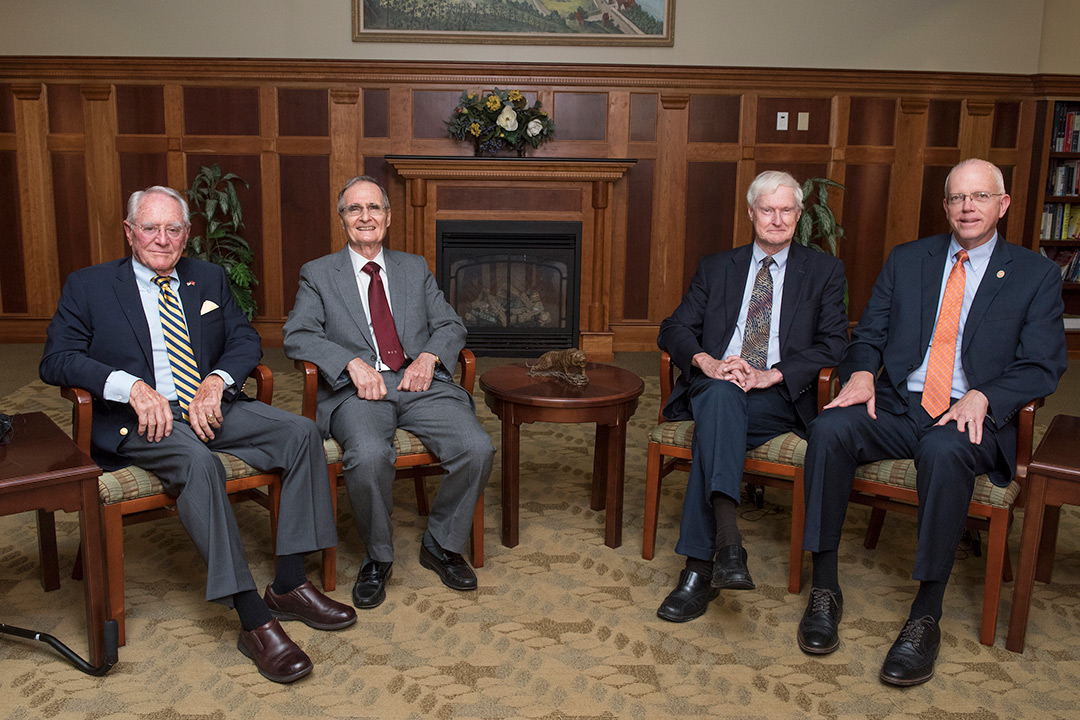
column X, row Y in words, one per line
column 562, row 626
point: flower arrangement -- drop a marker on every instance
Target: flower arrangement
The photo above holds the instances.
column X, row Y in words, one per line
column 500, row 119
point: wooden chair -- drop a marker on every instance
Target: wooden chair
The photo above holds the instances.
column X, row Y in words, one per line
column 890, row 485
column 132, row 495
column 775, row 463
column 413, row 459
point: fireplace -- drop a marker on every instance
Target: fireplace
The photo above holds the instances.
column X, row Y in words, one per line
column 515, row 284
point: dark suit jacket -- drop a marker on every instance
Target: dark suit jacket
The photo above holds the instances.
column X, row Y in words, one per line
column 1013, row 348
column 100, row 326
column 813, row 322
column 327, row 325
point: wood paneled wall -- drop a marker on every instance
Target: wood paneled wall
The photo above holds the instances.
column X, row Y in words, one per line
column 78, row 135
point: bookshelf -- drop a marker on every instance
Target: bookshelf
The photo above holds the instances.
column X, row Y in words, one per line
column 1059, row 224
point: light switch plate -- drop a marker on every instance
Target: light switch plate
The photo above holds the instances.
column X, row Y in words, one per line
column 781, row 120
column 803, row 122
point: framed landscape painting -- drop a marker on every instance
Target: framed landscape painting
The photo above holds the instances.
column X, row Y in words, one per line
column 509, row 22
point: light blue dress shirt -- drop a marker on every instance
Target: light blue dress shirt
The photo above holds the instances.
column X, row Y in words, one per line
column 778, row 271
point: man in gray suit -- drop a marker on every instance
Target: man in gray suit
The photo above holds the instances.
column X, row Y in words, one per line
column 166, row 378
column 385, row 341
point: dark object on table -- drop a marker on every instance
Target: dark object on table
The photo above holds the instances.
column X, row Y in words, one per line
column 566, row 365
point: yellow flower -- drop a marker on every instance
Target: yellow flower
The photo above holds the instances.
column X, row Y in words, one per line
column 514, row 96
column 475, row 129
column 493, row 102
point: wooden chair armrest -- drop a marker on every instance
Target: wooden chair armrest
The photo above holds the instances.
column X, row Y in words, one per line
column 467, row 360
column 1025, row 435
column 667, row 383
column 264, row 383
column 827, row 382
column 82, row 413
column 311, row 388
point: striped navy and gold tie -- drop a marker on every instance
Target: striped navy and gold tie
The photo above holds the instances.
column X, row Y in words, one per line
column 181, row 359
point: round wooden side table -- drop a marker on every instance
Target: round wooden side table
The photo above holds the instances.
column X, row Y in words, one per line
column 609, row 400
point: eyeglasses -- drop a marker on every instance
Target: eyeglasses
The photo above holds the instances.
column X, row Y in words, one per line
column 979, row 198
column 172, row 232
column 372, row 208
column 785, row 212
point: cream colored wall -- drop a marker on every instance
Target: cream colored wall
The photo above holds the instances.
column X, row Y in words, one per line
column 1000, row 36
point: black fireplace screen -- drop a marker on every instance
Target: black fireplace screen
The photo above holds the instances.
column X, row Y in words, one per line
column 516, row 285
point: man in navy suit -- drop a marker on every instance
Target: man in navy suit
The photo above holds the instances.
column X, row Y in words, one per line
column 1002, row 346
column 750, row 336
column 109, row 336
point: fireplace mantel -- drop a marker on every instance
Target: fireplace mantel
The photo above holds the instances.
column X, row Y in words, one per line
column 484, row 188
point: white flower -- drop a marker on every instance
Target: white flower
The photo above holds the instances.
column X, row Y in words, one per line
column 507, row 119
column 534, row 128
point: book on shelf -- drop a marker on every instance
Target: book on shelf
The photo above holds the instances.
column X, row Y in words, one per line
column 1065, row 258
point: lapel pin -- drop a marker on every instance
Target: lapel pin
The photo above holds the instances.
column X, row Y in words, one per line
column 1000, row 274
column 191, row 283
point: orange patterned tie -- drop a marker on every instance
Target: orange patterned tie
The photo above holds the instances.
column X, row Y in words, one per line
column 937, row 390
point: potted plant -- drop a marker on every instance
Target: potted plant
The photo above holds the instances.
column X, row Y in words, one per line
column 817, row 226
column 212, row 197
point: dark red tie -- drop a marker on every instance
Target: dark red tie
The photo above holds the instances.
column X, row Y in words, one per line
column 382, row 321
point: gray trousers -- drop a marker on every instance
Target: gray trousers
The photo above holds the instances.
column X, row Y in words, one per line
column 266, row 438
column 444, row 419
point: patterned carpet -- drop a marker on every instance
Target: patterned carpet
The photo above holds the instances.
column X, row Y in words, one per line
column 562, row 626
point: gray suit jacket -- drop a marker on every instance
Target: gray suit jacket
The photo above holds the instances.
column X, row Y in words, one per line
column 327, row 325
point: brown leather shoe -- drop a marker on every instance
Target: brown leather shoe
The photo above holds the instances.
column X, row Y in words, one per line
column 307, row 604
column 276, row 656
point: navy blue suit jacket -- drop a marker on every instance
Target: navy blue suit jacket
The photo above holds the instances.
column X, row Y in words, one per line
column 1013, row 347
column 100, row 326
column 813, row 322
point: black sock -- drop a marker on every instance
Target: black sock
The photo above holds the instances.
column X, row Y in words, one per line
column 290, row 573
column 252, row 609
column 928, row 600
column 826, row 575
column 701, row 567
column 727, row 527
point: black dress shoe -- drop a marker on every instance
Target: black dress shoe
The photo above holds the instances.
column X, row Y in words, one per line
column 690, row 598
column 310, row 606
column 729, row 571
column 451, row 567
column 275, row 655
column 370, row 588
column 818, row 634
column 910, row 660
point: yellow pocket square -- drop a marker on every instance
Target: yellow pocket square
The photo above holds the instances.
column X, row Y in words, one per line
column 207, row 306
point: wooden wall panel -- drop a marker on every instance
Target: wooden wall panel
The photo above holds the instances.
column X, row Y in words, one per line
column 872, row 121
column 817, row 133
column 303, row 112
column 932, row 218
column 13, row 268
column 714, row 118
column 65, row 108
column 531, row 199
column 431, row 110
column 638, row 254
column 867, row 192
column 580, row 116
column 711, row 202
column 376, row 113
column 7, row 109
column 1006, row 125
column 221, row 111
column 139, row 171
column 643, row 117
column 140, row 109
column 943, row 123
column 306, row 233
column 72, row 224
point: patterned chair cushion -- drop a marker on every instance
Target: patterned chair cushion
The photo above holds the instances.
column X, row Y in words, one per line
column 786, row 449
column 405, row 443
column 133, row 482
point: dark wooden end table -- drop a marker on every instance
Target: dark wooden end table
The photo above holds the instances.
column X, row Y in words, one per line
column 1053, row 480
column 42, row 469
column 609, row 400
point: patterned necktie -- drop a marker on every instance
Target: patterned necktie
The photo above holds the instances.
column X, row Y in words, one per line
column 937, row 389
column 755, row 345
column 185, row 370
column 382, row 321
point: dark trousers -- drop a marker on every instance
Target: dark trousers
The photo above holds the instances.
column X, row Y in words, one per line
column 266, row 438
column 946, row 463
column 727, row 423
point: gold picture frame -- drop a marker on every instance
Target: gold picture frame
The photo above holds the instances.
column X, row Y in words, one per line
column 603, row 22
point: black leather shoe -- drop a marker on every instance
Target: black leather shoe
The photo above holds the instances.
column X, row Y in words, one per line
column 729, row 571
column 690, row 598
column 370, row 588
column 910, row 660
column 451, row 567
column 818, row 634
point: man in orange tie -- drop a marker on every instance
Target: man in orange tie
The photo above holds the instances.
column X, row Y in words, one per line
column 961, row 331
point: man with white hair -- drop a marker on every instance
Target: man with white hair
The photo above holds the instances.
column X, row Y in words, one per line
column 750, row 336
